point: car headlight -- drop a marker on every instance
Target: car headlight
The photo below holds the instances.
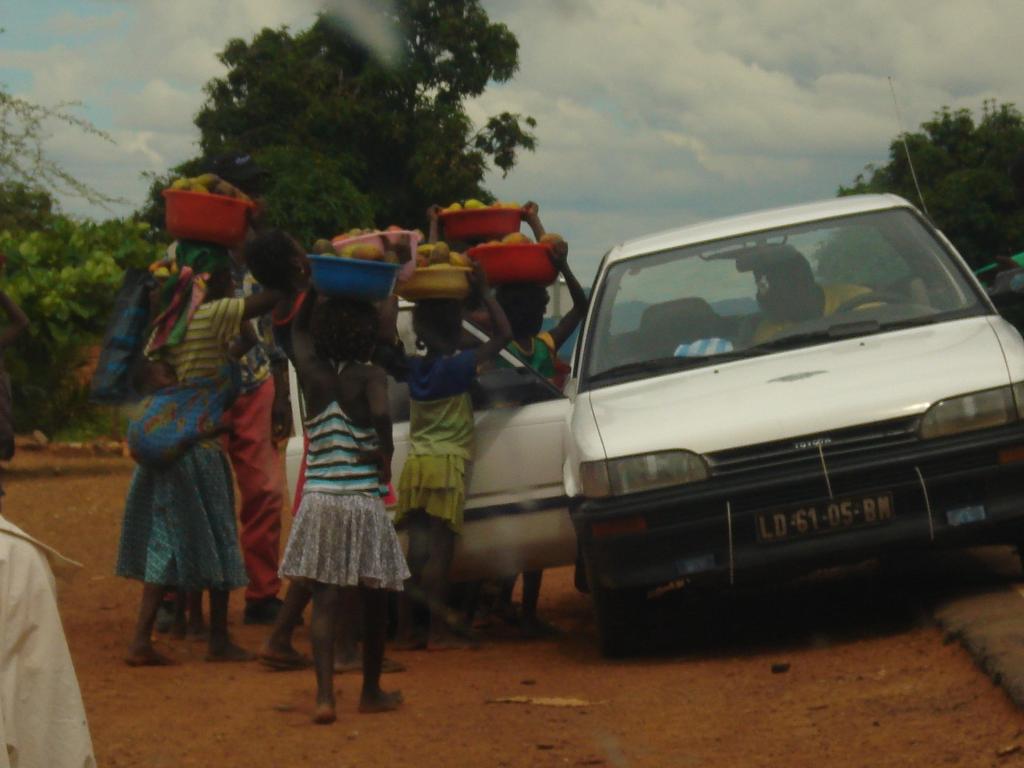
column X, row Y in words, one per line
column 979, row 410
column 644, row 472
column 1018, row 396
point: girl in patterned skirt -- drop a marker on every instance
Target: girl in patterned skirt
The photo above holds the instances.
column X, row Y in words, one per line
column 342, row 537
column 179, row 521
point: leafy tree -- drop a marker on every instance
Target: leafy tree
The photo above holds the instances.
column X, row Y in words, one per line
column 23, row 207
column 962, row 167
column 64, row 275
column 353, row 139
column 301, row 176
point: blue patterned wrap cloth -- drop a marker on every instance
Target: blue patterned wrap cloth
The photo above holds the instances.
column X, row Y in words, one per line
column 175, row 418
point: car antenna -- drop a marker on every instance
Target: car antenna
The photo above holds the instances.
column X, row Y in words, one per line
column 906, row 148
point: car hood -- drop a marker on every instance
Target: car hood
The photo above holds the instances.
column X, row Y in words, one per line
column 800, row 392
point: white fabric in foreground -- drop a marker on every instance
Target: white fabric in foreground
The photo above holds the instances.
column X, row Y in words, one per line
column 42, row 719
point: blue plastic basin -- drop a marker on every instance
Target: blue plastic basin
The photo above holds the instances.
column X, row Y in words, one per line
column 352, row 278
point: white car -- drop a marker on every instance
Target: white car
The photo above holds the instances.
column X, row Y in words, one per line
column 516, row 515
column 783, row 391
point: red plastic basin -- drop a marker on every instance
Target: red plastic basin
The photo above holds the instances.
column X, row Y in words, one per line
column 515, row 263
column 481, row 223
column 209, row 218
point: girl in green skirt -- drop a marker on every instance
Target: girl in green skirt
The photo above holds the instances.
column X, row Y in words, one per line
column 432, row 487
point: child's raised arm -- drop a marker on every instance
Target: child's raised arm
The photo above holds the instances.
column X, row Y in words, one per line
column 260, row 303
column 380, row 414
column 387, row 325
column 389, row 353
column 572, row 318
column 303, row 350
column 501, row 330
column 433, row 214
column 531, row 213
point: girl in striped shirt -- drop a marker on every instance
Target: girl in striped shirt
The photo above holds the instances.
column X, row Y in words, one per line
column 342, row 537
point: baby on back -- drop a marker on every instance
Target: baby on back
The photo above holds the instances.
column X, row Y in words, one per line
column 175, row 417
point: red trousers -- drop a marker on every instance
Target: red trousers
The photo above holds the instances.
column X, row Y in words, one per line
column 260, row 476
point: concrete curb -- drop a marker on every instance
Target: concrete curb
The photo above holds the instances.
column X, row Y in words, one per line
column 988, row 626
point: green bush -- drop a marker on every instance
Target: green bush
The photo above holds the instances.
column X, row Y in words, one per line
column 65, row 276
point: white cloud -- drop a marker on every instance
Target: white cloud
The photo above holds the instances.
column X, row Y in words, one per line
column 140, row 72
column 650, row 113
column 711, row 108
column 70, row 23
column 59, row 74
column 160, row 107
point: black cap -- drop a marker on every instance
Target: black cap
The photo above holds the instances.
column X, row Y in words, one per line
column 238, row 168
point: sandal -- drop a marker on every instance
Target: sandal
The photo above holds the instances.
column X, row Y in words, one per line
column 281, row 662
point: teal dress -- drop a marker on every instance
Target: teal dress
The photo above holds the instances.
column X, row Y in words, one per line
column 179, row 525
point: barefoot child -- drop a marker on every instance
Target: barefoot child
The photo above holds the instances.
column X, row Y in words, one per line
column 179, row 524
column 342, row 538
column 432, row 486
column 525, row 305
column 280, row 263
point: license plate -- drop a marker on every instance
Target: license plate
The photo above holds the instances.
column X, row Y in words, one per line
column 835, row 515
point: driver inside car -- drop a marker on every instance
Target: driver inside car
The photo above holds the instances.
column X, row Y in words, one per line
column 787, row 293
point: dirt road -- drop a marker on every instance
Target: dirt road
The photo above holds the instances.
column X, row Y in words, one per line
column 869, row 680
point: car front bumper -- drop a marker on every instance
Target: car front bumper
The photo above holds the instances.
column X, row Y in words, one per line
column 961, row 491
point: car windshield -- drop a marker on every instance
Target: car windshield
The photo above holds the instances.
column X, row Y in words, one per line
column 755, row 294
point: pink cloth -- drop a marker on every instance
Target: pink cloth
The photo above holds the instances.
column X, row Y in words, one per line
column 259, row 473
column 195, row 288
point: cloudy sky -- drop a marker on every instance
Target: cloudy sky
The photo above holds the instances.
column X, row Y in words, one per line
column 652, row 113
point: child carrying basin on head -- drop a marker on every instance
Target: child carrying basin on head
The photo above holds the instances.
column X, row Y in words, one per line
column 525, row 305
column 342, row 538
column 432, row 486
column 179, row 525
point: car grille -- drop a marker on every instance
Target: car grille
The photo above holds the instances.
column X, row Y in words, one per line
column 897, row 476
column 799, row 453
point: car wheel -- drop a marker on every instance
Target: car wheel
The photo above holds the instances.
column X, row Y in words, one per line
column 621, row 615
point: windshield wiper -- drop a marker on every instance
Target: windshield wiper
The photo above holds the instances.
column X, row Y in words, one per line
column 833, row 332
column 667, row 364
column 841, row 331
column 910, row 322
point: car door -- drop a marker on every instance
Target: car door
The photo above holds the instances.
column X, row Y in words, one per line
column 516, row 515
